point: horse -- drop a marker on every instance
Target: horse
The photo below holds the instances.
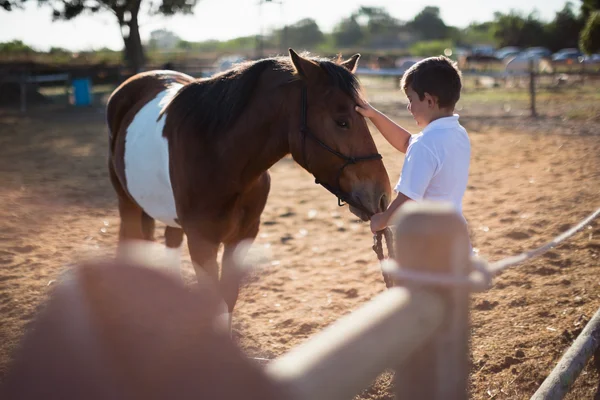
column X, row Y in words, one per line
column 194, row 154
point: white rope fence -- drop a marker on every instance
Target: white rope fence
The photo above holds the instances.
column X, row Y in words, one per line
column 558, row 383
column 481, row 278
column 499, row 266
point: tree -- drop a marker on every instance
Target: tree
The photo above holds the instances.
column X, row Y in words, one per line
column 126, row 12
column 588, row 7
column 590, row 35
column 379, row 21
column 564, row 30
column 429, row 25
column 513, row 29
column 15, row 47
column 348, row 32
column 8, row 5
column 304, row 34
column 474, row 34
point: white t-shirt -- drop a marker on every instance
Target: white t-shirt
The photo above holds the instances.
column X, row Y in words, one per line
column 436, row 166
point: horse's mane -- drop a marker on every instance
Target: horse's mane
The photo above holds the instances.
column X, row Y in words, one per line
column 214, row 104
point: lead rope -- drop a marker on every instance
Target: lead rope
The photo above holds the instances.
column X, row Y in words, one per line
column 378, row 249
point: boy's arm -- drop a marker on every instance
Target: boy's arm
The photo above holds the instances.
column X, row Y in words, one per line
column 381, row 221
column 419, row 168
column 393, row 133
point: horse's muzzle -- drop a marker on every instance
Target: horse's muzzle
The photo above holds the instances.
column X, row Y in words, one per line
column 369, row 203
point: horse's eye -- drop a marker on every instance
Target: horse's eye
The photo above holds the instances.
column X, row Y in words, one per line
column 342, row 123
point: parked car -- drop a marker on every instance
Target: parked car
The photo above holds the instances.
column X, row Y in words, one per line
column 591, row 59
column 505, row 52
column 520, row 63
column 567, row 55
column 536, row 52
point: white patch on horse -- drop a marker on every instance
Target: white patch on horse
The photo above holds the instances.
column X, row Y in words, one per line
column 147, row 160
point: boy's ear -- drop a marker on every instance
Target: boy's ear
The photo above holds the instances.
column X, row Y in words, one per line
column 431, row 100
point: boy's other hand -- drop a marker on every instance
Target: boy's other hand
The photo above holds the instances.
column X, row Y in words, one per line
column 365, row 109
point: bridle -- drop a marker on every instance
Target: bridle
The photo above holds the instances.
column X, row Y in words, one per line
column 335, row 190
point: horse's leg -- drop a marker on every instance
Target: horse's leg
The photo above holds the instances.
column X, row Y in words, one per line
column 173, row 240
column 204, row 258
column 131, row 220
column 254, row 202
column 230, row 274
column 148, row 227
column 130, row 213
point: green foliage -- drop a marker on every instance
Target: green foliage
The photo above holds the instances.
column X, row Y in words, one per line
column 379, row 21
column 15, row 47
column 209, row 46
column 430, row 48
column 368, row 29
column 474, row 34
column 588, row 7
column 16, row 50
column 564, row 30
column 590, row 35
column 429, row 25
column 304, row 34
column 514, row 29
column 348, row 33
column 69, row 9
column 9, row 5
column 126, row 12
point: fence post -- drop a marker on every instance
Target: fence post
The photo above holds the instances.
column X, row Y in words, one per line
column 564, row 374
column 67, row 89
column 23, row 92
column 432, row 237
column 532, row 87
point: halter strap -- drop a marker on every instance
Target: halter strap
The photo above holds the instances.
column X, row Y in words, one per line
column 342, row 197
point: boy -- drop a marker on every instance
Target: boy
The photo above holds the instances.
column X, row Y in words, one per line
column 436, row 166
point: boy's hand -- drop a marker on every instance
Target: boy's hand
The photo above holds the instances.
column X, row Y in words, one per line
column 365, row 109
column 379, row 222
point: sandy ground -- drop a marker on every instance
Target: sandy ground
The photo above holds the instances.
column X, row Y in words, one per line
column 526, row 186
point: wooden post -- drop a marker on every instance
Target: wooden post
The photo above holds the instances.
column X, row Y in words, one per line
column 23, row 94
column 562, row 377
column 431, row 237
column 532, row 87
column 67, row 89
column 343, row 359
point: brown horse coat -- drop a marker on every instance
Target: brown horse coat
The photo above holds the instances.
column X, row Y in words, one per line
column 195, row 153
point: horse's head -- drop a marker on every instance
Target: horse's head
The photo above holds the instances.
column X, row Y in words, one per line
column 332, row 141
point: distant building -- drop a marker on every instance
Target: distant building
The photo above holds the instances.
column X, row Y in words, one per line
column 163, row 39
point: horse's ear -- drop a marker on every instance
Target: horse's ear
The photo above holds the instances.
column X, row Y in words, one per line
column 305, row 68
column 351, row 63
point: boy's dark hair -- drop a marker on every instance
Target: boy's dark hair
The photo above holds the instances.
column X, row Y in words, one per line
column 437, row 76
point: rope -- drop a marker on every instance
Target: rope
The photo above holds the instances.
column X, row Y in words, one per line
column 499, row 266
column 378, row 249
column 480, row 279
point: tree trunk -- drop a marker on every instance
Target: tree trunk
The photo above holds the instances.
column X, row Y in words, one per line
column 134, row 51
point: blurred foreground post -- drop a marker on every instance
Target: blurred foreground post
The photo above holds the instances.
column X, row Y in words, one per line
column 433, row 238
column 118, row 329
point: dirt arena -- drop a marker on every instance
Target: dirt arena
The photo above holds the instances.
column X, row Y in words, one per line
column 530, row 180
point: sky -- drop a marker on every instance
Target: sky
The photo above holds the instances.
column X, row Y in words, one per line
column 226, row 19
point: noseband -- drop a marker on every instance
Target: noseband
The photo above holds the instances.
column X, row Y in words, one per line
column 335, row 190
